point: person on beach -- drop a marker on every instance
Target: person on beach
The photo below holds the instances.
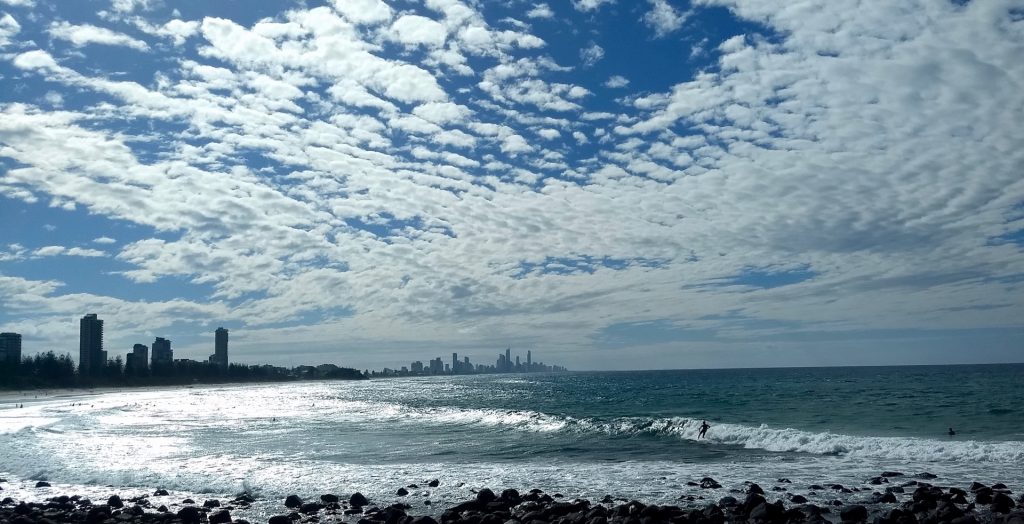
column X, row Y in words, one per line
column 951, row 432
column 703, row 429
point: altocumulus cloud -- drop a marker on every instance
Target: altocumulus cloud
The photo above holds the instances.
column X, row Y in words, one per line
column 366, row 184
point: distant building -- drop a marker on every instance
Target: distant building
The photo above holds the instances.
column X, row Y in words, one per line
column 138, row 359
column 219, row 357
column 162, row 354
column 91, row 357
column 10, row 348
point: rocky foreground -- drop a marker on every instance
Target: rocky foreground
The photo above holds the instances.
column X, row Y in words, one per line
column 895, row 501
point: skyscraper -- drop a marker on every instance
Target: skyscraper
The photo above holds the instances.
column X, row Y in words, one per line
column 455, row 362
column 91, row 358
column 220, row 348
column 508, row 359
column 140, row 357
column 162, row 354
column 529, row 360
column 10, row 348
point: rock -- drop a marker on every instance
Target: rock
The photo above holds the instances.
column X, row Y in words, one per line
column 878, row 480
column 162, row 509
column 425, row 519
column 434, row 483
column 42, row 484
column 310, row 507
column 754, row 488
column 728, row 501
column 975, row 486
column 510, row 495
column 190, row 515
column 358, row 500
column 784, row 481
column 329, row 498
column 888, row 474
column 245, row 498
column 115, row 502
column 485, row 495
column 188, row 501
column 709, row 483
column 211, row 503
column 798, row 499
column 886, row 498
column 1002, row 503
column 292, row 501
column 279, row 519
column 402, row 492
column 816, row 487
column 220, row 517
column 983, row 496
column 926, row 475
column 160, row 493
column 855, row 513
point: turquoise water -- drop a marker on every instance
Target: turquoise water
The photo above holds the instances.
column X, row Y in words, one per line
column 629, row 434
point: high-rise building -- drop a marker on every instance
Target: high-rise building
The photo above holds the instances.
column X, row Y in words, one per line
column 455, row 362
column 220, row 348
column 10, row 348
column 508, row 359
column 91, row 357
column 162, row 354
column 140, row 357
column 529, row 360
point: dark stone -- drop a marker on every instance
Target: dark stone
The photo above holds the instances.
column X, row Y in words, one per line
column 975, row 486
column 329, row 498
column 754, row 488
column 485, row 496
column 983, row 496
column 798, row 499
column 434, row 483
column 279, row 519
column 728, row 501
column 892, row 474
column 115, row 502
column 926, row 475
column 245, row 498
column 999, row 485
column 358, row 500
column 97, row 514
column 292, row 501
column 188, row 501
column 425, row 519
column 190, row 515
column 709, row 483
column 402, row 492
column 310, row 507
column 878, row 480
column 1002, row 503
column 211, row 503
column 855, row 513
column 162, row 509
column 220, row 517
column 42, row 484
column 160, row 493
column 816, row 487
column 784, row 481
column 947, row 511
column 752, row 501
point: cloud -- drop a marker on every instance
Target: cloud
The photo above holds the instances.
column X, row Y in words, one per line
column 8, row 28
column 540, row 11
column 418, row 30
column 589, row 5
column 52, row 251
column 367, row 12
column 19, row 3
column 104, row 240
column 591, row 54
column 86, row 34
column 616, row 82
column 663, row 18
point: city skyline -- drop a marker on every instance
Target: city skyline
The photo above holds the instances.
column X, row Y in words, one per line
column 729, row 183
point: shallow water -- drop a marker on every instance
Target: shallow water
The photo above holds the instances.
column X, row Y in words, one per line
column 629, row 434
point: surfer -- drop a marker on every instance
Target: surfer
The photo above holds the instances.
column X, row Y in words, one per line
column 951, row 432
column 703, row 429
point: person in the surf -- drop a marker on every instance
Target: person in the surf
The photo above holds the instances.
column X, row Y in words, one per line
column 951, row 432
column 703, row 429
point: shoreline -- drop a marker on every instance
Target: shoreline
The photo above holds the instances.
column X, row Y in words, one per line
column 890, row 497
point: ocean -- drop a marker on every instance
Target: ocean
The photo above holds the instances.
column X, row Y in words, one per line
column 632, row 435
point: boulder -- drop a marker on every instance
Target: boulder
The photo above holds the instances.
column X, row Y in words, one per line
column 42, row 484
column 329, row 498
column 190, row 515
column 358, row 500
column 425, row 519
column 188, row 501
column 115, row 502
column 888, row 474
column 292, row 501
column 798, row 499
column 279, row 519
column 485, row 496
column 211, row 503
column 926, row 475
column 856, row 513
column 510, row 495
column 1002, row 503
column 160, row 493
column 434, row 483
column 220, row 517
column 310, row 507
column 709, row 483
column 983, row 496
column 402, row 492
column 754, row 488
column 784, row 481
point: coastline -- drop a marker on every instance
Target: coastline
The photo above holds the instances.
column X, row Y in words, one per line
column 890, row 497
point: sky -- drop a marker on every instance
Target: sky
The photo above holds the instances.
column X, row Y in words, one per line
column 610, row 184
